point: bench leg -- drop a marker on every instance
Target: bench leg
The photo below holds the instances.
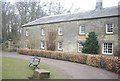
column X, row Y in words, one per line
column 30, row 64
column 36, row 66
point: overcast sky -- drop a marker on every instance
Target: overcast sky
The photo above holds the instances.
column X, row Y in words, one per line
column 84, row 4
column 90, row 4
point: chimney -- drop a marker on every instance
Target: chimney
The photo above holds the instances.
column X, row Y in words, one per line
column 99, row 4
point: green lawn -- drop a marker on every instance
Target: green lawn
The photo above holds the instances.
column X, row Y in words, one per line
column 19, row 69
column 0, row 68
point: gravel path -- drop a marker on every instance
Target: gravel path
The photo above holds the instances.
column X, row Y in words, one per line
column 69, row 69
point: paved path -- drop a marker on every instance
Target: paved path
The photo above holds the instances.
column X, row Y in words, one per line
column 69, row 69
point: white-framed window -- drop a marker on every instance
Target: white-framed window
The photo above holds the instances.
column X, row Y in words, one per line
column 109, row 28
column 82, row 30
column 60, row 45
column 42, row 45
column 80, row 47
column 25, row 44
column 10, row 28
column 42, row 31
column 107, row 48
column 26, row 32
column 60, row 31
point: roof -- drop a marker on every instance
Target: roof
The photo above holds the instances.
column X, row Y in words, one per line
column 104, row 12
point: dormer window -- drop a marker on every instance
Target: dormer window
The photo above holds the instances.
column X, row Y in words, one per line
column 82, row 30
column 60, row 31
column 109, row 28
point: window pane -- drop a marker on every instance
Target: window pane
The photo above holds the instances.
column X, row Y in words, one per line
column 59, row 45
column 107, row 48
column 82, row 30
column 60, row 31
column 42, row 44
column 109, row 27
column 80, row 47
column 42, row 31
column 26, row 32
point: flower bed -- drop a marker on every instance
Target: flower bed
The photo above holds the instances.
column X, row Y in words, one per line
column 110, row 63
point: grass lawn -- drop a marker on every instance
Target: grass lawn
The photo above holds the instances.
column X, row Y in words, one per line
column 19, row 69
column 0, row 68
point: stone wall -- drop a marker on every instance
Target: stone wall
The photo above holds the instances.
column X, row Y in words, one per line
column 71, row 35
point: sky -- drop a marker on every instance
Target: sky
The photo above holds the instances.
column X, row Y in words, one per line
column 90, row 4
column 84, row 4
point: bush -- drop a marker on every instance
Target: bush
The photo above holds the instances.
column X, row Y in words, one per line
column 81, row 58
column 94, row 60
column 110, row 63
column 91, row 44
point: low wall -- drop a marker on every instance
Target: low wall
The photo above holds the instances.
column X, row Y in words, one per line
column 107, row 62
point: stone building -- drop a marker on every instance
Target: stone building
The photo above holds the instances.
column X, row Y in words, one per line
column 72, row 29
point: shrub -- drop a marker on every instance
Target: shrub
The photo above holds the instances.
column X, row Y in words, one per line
column 81, row 58
column 110, row 63
column 91, row 44
column 94, row 60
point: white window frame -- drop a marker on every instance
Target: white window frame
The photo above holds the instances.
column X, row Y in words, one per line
column 107, row 32
column 103, row 49
column 42, row 31
column 80, row 30
column 60, row 46
column 60, row 31
column 79, row 46
column 26, row 32
column 42, row 45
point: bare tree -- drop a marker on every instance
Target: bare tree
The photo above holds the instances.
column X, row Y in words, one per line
column 55, row 7
column 9, row 21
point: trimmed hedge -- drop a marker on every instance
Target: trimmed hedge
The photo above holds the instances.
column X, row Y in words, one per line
column 110, row 63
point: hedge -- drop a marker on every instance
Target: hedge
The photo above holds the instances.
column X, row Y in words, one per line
column 110, row 63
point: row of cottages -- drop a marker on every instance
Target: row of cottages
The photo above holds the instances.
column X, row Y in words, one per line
column 71, row 29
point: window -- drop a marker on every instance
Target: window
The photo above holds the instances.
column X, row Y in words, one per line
column 26, row 32
column 60, row 45
column 42, row 45
column 109, row 28
column 42, row 31
column 10, row 28
column 82, row 30
column 107, row 48
column 25, row 44
column 80, row 47
column 60, row 31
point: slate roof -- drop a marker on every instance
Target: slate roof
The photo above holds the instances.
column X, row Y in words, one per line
column 104, row 12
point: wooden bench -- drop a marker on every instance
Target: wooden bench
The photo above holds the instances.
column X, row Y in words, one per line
column 35, row 62
column 41, row 74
